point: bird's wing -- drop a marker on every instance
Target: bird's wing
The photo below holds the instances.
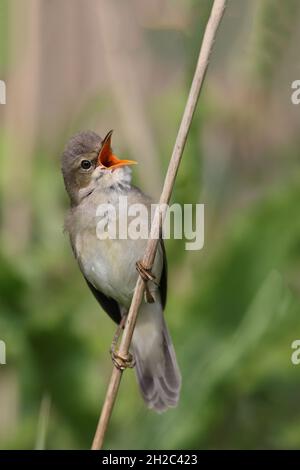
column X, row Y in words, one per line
column 163, row 285
column 109, row 305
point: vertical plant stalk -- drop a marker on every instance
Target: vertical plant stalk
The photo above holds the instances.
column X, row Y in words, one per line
column 43, row 423
column 123, row 58
column 202, row 64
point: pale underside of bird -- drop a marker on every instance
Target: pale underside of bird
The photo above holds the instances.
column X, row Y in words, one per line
column 94, row 176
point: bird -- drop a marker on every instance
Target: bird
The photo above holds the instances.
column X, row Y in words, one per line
column 94, row 175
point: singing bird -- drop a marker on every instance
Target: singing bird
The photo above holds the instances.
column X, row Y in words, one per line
column 93, row 175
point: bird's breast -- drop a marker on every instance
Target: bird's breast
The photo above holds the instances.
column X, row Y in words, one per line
column 109, row 263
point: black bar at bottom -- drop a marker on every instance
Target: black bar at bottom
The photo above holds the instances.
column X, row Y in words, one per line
column 136, row 458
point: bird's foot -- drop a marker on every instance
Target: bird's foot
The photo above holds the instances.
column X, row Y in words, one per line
column 144, row 272
column 146, row 275
column 122, row 362
column 117, row 335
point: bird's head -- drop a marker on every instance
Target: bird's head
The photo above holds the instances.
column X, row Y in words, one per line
column 88, row 162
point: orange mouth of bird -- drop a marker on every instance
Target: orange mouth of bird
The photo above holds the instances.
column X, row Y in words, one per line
column 107, row 159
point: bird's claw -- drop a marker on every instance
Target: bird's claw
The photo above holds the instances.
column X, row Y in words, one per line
column 144, row 272
column 146, row 275
column 122, row 362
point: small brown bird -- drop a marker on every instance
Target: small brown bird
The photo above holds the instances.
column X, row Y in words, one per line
column 93, row 175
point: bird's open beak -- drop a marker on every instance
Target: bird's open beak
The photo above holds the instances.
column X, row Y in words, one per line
column 107, row 159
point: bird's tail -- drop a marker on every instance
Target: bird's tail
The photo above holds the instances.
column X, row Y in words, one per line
column 156, row 366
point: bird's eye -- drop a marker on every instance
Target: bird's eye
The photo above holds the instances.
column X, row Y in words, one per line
column 86, row 164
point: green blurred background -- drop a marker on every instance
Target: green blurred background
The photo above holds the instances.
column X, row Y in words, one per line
column 233, row 307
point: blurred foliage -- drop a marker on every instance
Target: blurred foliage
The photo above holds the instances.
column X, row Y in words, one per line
column 233, row 308
column 276, row 21
column 4, row 18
